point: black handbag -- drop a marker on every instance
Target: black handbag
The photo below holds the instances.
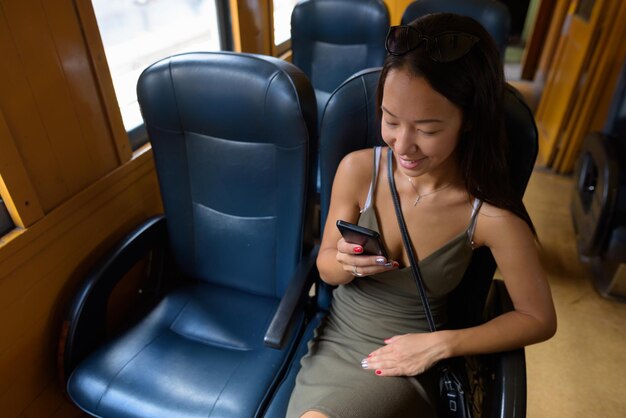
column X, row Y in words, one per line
column 454, row 396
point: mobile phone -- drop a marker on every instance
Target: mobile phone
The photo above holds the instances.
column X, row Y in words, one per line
column 365, row 237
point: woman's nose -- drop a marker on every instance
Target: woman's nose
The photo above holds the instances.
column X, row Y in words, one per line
column 405, row 142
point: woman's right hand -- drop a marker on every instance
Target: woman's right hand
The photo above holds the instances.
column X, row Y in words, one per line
column 352, row 260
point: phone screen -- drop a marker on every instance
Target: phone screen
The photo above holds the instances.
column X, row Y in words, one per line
column 370, row 240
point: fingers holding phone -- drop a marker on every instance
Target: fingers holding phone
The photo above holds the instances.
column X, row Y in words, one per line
column 361, row 250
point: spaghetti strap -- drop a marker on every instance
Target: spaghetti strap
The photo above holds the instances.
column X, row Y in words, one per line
column 370, row 193
column 472, row 226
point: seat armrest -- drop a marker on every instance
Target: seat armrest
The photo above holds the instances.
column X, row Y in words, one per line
column 304, row 277
column 509, row 367
column 510, row 384
column 84, row 327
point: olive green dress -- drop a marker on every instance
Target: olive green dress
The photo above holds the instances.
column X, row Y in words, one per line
column 363, row 314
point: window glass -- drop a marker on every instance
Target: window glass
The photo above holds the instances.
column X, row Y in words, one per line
column 137, row 33
column 6, row 224
column 282, row 20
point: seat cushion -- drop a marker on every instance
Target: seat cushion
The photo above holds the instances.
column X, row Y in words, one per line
column 199, row 353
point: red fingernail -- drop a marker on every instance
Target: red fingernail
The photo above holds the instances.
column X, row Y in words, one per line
column 369, row 356
column 358, row 250
column 396, row 264
column 379, row 372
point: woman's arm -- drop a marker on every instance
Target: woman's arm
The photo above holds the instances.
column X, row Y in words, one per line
column 337, row 258
column 532, row 320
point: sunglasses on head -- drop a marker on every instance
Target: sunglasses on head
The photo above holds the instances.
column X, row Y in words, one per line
column 443, row 47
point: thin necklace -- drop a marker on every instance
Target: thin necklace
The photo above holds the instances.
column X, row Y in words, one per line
column 419, row 196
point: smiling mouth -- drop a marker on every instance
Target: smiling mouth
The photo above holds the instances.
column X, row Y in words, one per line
column 410, row 163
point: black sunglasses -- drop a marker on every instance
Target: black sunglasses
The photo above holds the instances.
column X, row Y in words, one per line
column 443, row 47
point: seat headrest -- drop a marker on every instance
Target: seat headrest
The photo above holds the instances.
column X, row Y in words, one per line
column 493, row 15
column 227, row 88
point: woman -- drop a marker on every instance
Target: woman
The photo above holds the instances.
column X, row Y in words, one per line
column 440, row 99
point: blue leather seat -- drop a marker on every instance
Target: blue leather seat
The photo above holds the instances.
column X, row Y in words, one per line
column 598, row 204
column 492, row 14
column 349, row 124
column 333, row 39
column 233, row 136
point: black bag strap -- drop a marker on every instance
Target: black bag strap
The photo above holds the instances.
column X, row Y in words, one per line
column 417, row 276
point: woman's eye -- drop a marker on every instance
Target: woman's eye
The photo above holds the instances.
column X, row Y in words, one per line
column 391, row 123
column 429, row 133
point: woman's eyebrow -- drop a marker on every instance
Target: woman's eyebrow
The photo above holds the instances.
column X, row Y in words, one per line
column 415, row 121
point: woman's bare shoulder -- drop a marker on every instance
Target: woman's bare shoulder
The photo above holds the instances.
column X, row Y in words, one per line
column 488, row 210
column 495, row 223
column 357, row 162
column 359, row 156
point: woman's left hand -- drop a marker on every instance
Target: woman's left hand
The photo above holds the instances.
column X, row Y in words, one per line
column 407, row 355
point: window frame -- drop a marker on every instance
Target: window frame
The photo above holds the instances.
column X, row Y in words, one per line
column 6, row 222
column 284, row 47
column 138, row 136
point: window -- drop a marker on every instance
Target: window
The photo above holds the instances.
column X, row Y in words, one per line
column 282, row 23
column 137, row 33
column 6, row 224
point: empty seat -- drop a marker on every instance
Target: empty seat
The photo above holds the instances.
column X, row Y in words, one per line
column 232, row 137
column 333, row 39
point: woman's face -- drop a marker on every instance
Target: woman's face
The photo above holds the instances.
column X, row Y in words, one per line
column 421, row 126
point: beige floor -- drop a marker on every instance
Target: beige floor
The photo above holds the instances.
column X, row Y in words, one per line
column 579, row 372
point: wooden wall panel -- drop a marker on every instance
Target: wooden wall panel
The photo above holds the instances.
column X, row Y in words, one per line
column 86, row 91
column 41, row 268
column 597, row 87
column 103, row 79
column 22, row 203
column 573, row 58
column 51, row 101
column 551, row 41
column 537, row 40
column 251, row 26
column 71, row 183
column 51, row 402
column 581, row 81
column 22, row 117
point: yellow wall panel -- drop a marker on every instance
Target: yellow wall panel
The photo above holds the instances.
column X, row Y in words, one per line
column 83, row 92
column 103, row 79
column 251, row 23
column 566, row 79
column 22, row 117
column 40, row 269
column 41, row 65
column 51, row 101
column 396, row 9
column 597, row 88
column 51, row 402
column 23, row 202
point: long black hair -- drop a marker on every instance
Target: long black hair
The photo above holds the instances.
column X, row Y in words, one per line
column 475, row 83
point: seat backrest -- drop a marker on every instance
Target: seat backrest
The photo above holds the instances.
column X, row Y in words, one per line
column 492, row 14
column 467, row 300
column 232, row 137
column 350, row 123
column 333, row 39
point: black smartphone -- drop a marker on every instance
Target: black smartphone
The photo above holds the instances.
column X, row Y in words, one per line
column 365, row 237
